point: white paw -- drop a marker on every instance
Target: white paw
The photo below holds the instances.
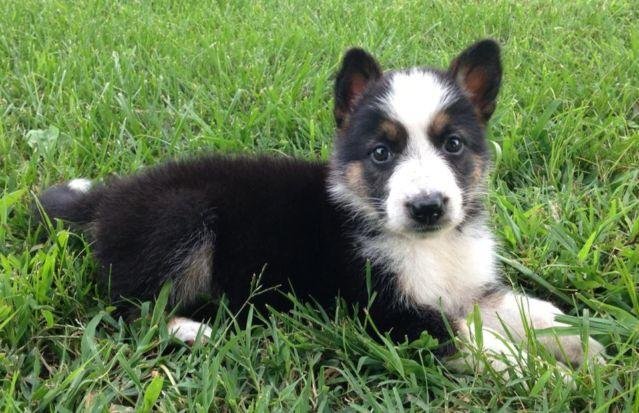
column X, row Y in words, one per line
column 570, row 349
column 513, row 315
column 494, row 352
column 188, row 330
column 491, row 350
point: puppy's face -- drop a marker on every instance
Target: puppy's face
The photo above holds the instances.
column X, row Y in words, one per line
column 410, row 151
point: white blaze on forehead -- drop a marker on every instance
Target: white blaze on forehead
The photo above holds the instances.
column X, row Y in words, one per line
column 414, row 98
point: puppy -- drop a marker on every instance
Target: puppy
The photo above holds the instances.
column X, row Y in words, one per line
column 401, row 197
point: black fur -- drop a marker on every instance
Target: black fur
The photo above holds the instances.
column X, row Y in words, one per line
column 358, row 69
column 73, row 207
column 267, row 216
column 212, row 224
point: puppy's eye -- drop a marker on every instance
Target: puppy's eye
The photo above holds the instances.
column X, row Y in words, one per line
column 453, row 144
column 381, row 154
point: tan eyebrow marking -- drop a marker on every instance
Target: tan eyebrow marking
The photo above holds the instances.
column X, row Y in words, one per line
column 438, row 124
column 390, row 128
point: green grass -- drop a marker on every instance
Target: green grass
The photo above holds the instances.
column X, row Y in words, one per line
column 98, row 87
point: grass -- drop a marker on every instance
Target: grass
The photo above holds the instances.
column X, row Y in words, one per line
column 97, row 87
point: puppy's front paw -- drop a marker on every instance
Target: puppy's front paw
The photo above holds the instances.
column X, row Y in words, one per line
column 496, row 353
column 571, row 350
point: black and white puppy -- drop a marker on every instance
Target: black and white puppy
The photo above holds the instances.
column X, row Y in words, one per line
column 402, row 194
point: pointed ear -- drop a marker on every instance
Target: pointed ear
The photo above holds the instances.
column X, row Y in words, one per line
column 358, row 69
column 478, row 71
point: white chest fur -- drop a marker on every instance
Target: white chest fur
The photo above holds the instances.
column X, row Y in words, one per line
column 451, row 268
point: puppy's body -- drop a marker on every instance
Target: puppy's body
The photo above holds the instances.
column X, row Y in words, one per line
column 232, row 218
column 401, row 194
column 211, row 225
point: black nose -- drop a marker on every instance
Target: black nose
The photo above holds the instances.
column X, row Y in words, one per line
column 427, row 209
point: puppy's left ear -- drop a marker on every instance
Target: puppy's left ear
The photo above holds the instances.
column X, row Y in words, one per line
column 358, row 70
column 478, row 71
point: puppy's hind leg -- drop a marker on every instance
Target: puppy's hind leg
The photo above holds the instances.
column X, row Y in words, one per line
column 192, row 280
column 188, row 331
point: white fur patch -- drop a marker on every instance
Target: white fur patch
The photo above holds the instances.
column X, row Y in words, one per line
column 79, row 185
column 414, row 98
column 188, row 330
column 495, row 350
column 450, row 267
column 516, row 312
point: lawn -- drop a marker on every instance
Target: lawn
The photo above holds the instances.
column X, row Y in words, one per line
column 92, row 88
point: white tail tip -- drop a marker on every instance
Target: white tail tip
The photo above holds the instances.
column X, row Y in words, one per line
column 79, row 185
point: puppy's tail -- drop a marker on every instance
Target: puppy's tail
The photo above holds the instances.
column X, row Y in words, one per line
column 73, row 202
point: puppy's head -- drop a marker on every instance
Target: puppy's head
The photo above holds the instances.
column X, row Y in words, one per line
column 410, row 151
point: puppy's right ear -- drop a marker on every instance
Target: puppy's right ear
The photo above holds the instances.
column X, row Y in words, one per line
column 358, row 70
